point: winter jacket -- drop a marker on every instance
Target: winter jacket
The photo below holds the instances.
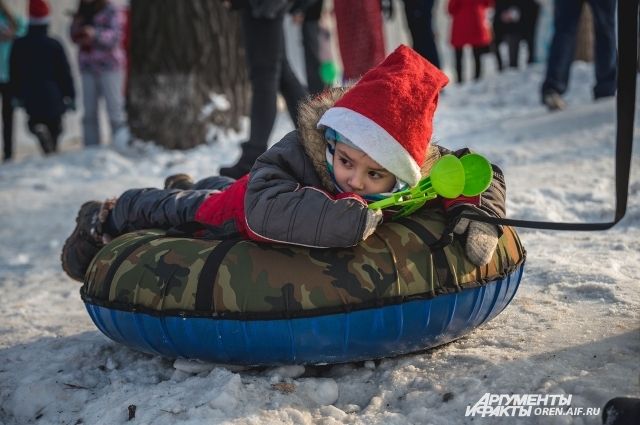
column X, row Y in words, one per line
column 104, row 52
column 469, row 24
column 40, row 74
column 289, row 196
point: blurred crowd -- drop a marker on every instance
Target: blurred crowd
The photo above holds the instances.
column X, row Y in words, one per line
column 35, row 72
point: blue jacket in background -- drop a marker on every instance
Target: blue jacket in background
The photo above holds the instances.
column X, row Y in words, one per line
column 5, row 46
column 40, row 75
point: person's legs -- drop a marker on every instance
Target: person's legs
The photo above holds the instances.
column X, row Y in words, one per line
column 310, row 42
column 290, row 87
column 604, row 21
column 459, row 68
column 477, row 61
column 513, row 41
column 54, row 126
column 40, row 128
column 111, row 86
column 90, row 123
column 531, row 14
column 150, row 208
column 563, row 44
column 136, row 209
column 7, row 122
column 419, row 19
column 263, row 43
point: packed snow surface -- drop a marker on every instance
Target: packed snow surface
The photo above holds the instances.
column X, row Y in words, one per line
column 572, row 329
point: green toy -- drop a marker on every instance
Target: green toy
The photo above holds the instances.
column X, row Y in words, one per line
column 450, row 177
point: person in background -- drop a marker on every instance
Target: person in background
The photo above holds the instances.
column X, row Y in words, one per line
column 360, row 36
column 40, row 78
column 310, row 21
column 566, row 15
column 269, row 73
column 11, row 27
column 469, row 27
column 419, row 19
column 513, row 22
column 97, row 29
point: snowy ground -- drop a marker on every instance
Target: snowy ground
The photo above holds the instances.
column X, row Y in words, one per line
column 573, row 327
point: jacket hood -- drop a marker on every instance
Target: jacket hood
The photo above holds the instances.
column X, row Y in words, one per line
column 314, row 143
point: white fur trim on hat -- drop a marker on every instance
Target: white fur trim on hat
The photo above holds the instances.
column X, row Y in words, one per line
column 374, row 140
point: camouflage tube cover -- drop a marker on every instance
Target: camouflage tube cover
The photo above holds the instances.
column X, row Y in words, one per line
column 152, row 272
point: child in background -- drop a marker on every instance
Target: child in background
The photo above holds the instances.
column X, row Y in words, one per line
column 97, row 29
column 311, row 188
column 11, row 27
column 469, row 27
column 40, row 78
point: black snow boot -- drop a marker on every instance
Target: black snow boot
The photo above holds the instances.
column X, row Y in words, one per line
column 250, row 153
column 85, row 241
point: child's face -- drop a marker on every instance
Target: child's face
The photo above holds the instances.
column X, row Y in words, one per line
column 356, row 172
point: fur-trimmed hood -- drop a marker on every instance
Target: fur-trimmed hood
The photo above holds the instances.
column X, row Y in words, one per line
column 313, row 140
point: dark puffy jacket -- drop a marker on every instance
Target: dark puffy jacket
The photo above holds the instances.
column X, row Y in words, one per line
column 40, row 76
column 289, row 195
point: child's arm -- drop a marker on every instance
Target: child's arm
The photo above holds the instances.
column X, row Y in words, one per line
column 284, row 203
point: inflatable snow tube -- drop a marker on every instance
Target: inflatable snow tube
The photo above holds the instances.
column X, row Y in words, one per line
column 240, row 302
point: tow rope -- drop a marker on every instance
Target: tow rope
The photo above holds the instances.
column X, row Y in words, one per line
column 625, row 111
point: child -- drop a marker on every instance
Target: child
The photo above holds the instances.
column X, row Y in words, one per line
column 312, row 187
column 97, row 29
column 40, row 78
column 469, row 26
column 11, row 27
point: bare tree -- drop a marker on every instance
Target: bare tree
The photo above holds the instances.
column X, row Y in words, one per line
column 187, row 60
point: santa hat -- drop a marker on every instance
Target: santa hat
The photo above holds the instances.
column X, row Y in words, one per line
column 388, row 114
column 38, row 11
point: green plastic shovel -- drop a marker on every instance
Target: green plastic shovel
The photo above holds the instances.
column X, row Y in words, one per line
column 450, row 177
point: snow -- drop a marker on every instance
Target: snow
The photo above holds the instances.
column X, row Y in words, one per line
column 572, row 328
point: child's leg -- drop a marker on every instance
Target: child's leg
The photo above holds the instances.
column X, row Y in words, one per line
column 90, row 123
column 136, row 209
column 459, row 69
column 513, row 41
column 111, row 88
column 496, row 51
column 40, row 129
column 477, row 60
column 139, row 209
column 7, row 121
column 55, row 129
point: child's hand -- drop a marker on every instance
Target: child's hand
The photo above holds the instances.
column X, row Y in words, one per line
column 374, row 217
column 482, row 239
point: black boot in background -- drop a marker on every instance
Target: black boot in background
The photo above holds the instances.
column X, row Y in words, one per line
column 249, row 155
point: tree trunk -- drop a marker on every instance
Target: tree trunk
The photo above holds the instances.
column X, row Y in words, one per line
column 584, row 43
column 187, row 71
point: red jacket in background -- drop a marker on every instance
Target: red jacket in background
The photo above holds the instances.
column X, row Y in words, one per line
column 469, row 24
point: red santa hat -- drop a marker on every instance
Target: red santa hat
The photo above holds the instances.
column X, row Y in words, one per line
column 38, row 11
column 388, row 114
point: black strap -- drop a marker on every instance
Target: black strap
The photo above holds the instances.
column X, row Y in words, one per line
column 113, row 268
column 626, row 101
column 208, row 274
column 440, row 262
